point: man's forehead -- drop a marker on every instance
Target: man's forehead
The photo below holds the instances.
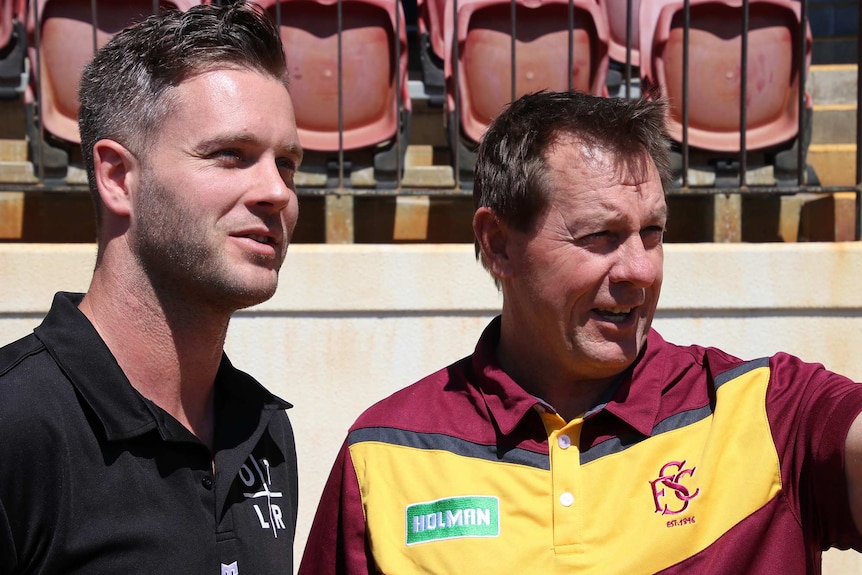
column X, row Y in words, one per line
column 570, row 154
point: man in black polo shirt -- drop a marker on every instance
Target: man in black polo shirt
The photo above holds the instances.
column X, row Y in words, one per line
column 128, row 442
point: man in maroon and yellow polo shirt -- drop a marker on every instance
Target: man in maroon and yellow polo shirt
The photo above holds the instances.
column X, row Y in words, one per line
column 575, row 439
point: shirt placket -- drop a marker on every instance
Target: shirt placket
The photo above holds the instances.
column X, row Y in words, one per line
column 566, row 490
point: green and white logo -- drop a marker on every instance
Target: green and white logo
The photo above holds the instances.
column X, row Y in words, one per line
column 453, row 518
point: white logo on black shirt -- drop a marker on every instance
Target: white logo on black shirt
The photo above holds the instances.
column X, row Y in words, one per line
column 255, row 474
column 231, row 569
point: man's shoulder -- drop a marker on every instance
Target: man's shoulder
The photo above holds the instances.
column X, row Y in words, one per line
column 441, row 394
column 13, row 356
column 683, row 356
column 33, row 401
column 32, row 383
column 23, row 363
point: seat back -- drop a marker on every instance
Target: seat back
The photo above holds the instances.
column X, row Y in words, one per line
column 616, row 14
column 6, row 16
column 68, row 34
column 369, row 71
column 715, row 71
column 430, row 21
column 484, row 37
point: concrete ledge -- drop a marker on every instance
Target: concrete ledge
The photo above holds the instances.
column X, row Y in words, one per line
column 383, row 278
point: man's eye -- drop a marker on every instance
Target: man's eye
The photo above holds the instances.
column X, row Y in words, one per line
column 228, row 154
column 597, row 236
column 286, row 164
column 653, row 233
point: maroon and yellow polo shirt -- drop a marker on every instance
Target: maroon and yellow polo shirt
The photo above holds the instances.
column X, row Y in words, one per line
column 699, row 463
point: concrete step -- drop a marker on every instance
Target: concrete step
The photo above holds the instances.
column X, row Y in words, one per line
column 17, row 173
column 832, row 153
column 832, row 84
column 835, row 164
column 834, row 124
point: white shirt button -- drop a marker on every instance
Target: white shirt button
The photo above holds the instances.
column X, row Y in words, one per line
column 566, row 499
column 564, row 441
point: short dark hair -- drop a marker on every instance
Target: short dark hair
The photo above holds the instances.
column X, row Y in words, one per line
column 124, row 89
column 510, row 173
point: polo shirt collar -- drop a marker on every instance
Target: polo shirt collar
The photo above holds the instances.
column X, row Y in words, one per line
column 635, row 401
column 507, row 401
column 638, row 398
column 87, row 362
column 124, row 413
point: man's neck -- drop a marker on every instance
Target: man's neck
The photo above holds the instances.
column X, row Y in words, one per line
column 548, row 377
column 169, row 354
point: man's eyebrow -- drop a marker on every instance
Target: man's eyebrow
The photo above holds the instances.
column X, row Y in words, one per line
column 660, row 213
column 292, row 149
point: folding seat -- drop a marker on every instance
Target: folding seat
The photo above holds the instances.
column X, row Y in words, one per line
column 371, row 122
column 482, row 73
column 431, row 47
column 63, row 37
column 715, row 74
column 13, row 49
column 616, row 14
column 5, row 23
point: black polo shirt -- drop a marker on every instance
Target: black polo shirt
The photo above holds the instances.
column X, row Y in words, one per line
column 95, row 478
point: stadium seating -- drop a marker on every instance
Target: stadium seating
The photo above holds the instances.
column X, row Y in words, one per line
column 482, row 73
column 714, row 81
column 373, row 109
column 431, row 47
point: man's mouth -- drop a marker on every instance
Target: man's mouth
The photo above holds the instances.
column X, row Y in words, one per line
column 614, row 315
column 261, row 239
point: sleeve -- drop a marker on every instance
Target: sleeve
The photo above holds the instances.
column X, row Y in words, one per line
column 337, row 543
column 811, row 410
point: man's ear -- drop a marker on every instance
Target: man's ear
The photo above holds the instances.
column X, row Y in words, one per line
column 116, row 172
column 494, row 239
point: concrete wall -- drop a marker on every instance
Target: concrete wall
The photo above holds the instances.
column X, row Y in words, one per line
column 351, row 324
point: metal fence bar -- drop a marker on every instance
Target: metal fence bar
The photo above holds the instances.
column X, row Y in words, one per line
column 743, row 97
column 801, row 176
column 570, row 60
column 514, row 76
column 399, row 103
column 685, row 77
column 340, row 24
column 94, row 10
column 859, row 131
column 40, row 170
column 628, row 66
column 455, row 128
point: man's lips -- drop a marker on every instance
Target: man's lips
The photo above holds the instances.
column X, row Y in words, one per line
column 615, row 314
column 260, row 236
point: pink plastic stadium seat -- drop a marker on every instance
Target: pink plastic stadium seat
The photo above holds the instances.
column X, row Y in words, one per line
column 13, row 48
column 430, row 20
column 65, row 32
column 615, row 14
column 309, row 29
column 484, row 37
column 772, row 110
column 6, row 24
column 430, row 14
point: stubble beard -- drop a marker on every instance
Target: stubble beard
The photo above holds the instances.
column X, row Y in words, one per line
column 181, row 260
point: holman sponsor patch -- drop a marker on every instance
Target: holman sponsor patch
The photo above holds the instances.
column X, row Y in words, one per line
column 453, row 518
